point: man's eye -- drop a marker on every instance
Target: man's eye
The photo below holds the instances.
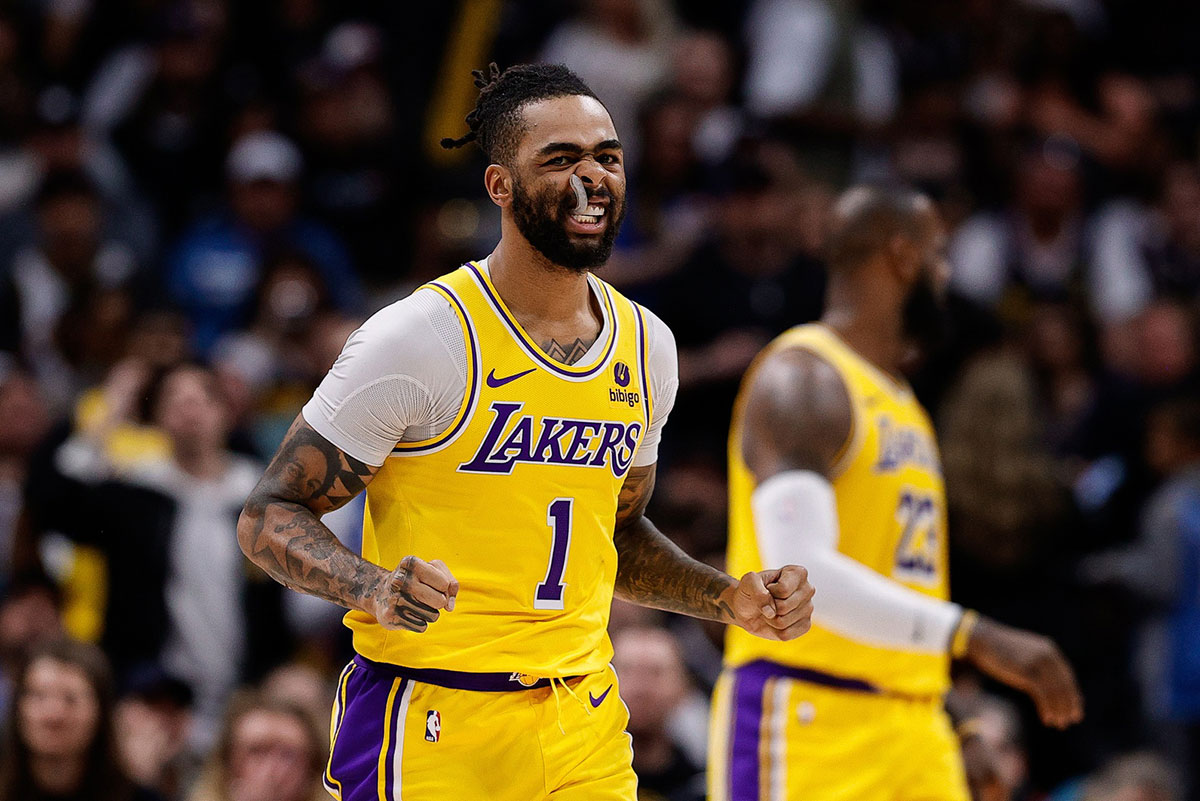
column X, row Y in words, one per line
column 608, row 158
column 557, row 161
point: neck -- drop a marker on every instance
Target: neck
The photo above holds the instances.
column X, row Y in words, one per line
column 57, row 774
column 199, row 462
column 868, row 322
column 533, row 287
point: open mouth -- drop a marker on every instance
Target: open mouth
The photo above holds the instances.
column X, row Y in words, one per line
column 590, row 216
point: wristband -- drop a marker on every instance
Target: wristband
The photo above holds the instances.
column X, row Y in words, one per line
column 962, row 634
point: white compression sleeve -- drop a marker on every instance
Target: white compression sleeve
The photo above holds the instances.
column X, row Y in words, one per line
column 795, row 518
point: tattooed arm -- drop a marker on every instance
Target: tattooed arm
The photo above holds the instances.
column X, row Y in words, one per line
column 281, row 532
column 653, row 571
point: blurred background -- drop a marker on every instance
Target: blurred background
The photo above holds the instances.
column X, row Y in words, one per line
column 200, row 200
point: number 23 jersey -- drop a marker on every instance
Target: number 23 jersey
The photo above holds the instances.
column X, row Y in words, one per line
column 517, row 491
column 891, row 517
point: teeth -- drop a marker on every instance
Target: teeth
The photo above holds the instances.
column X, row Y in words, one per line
column 586, row 218
column 595, row 211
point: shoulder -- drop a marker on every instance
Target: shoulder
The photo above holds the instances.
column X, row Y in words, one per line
column 659, row 337
column 799, row 407
column 409, row 322
column 662, row 356
column 802, row 379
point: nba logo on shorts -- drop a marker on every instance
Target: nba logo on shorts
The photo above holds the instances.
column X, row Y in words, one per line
column 433, row 725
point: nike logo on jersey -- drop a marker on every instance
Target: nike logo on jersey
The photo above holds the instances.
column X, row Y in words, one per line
column 598, row 701
column 496, row 383
column 515, row 438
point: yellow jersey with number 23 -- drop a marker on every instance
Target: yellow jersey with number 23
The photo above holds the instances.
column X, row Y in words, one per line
column 891, row 518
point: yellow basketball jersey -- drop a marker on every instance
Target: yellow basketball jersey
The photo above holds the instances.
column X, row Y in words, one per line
column 891, row 518
column 518, row 497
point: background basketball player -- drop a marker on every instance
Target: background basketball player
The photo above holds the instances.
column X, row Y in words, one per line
column 833, row 462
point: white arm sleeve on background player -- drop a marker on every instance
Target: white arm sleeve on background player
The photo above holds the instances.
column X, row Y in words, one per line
column 400, row 377
column 662, row 364
column 795, row 519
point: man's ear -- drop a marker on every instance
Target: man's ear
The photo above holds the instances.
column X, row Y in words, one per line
column 904, row 258
column 498, row 180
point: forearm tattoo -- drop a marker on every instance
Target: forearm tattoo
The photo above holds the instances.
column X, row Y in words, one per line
column 652, row 570
column 280, row 529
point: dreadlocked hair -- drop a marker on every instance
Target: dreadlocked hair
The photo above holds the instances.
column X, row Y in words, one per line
column 496, row 123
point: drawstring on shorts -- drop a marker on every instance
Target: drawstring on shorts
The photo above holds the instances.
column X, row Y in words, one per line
column 558, row 704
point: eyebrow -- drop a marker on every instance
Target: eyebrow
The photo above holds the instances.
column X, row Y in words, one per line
column 572, row 147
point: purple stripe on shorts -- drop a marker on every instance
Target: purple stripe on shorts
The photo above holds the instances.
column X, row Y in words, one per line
column 354, row 762
column 744, row 767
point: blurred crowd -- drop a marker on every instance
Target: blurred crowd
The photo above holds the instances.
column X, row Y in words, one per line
column 200, row 200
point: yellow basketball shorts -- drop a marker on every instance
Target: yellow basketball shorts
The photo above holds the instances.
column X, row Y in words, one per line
column 776, row 737
column 399, row 738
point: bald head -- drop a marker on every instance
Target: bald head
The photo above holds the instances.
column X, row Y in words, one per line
column 867, row 219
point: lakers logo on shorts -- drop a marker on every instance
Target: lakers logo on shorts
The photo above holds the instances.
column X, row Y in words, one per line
column 524, row 679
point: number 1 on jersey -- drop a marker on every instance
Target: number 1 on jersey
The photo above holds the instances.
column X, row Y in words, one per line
column 549, row 593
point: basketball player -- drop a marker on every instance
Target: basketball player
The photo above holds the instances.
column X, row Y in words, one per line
column 506, row 417
column 833, row 462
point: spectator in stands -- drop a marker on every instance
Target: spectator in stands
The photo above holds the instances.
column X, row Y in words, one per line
column 165, row 526
column 162, row 97
column 30, row 616
column 60, row 740
column 347, row 127
column 219, row 263
column 636, row 34
column 744, row 283
column 19, row 400
column 154, row 721
column 1136, row 777
column 268, row 750
column 1044, row 246
column 821, row 66
column 994, row 752
column 70, row 278
column 1161, row 569
column 654, row 687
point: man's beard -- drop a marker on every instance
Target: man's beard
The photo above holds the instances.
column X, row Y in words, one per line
column 926, row 319
column 541, row 219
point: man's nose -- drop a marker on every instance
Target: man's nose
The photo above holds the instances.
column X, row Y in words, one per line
column 590, row 172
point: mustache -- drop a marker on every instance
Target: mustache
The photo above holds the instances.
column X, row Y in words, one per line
column 599, row 192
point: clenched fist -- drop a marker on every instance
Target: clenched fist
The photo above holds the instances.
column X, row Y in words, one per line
column 410, row 596
column 773, row 604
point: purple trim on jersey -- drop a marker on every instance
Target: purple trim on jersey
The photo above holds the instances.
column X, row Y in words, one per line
column 454, row 679
column 354, row 759
column 643, row 347
column 472, row 393
column 548, row 363
column 744, row 767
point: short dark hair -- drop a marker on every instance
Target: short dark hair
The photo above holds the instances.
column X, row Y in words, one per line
column 496, row 123
column 866, row 219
